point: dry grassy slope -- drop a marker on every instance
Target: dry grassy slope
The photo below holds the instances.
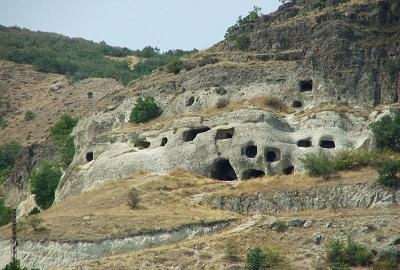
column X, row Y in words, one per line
column 170, row 201
column 47, row 95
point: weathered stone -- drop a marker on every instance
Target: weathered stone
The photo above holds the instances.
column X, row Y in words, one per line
column 308, row 224
column 295, row 222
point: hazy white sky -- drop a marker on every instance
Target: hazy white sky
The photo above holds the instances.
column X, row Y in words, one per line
column 166, row 24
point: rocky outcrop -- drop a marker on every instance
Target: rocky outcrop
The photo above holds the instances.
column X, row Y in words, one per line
column 331, row 197
column 48, row 254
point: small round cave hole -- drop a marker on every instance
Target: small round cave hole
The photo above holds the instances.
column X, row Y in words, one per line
column 289, row 170
column 89, row 156
column 190, row 101
column 297, row 104
column 304, row 143
column 305, row 85
column 223, row 170
column 272, row 154
column 252, row 173
column 251, row 151
column 164, row 141
column 327, row 143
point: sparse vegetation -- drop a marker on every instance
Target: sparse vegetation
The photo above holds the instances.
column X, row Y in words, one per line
column 174, row 66
column 389, row 173
column 231, row 250
column 79, row 58
column 258, row 259
column 35, row 222
column 325, row 165
column 29, row 115
column 347, row 253
column 387, row 133
column 3, row 122
column 144, row 110
column 133, row 198
column 60, row 132
column 16, row 266
column 242, row 43
column 8, row 153
column 44, row 182
column 5, row 214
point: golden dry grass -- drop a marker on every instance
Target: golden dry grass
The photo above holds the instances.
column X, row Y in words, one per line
column 104, row 212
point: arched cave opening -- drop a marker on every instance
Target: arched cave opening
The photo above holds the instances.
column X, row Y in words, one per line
column 289, row 170
column 252, row 173
column 304, row 143
column 272, row 154
column 305, row 86
column 328, row 143
column 164, row 141
column 251, row 151
column 222, row 170
column 223, row 134
column 190, row 101
column 89, row 156
column 189, row 135
column 297, row 104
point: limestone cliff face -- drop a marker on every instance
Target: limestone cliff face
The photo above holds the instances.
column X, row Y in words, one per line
column 312, row 79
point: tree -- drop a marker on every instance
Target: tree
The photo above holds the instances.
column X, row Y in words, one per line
column 44, row 183
column 144, row 110
column 387, row 133
column 8, row 154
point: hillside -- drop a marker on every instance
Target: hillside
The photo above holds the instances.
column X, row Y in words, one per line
column 220, row 168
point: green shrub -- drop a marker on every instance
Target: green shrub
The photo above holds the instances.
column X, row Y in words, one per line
column 3, row 122
column 44, row 182
column 5, row 214
column 386, row 264
column 387, row 133
column 34, row 211
column 60, row 132
column 242, row 43
column 389, row 173
column 8, row 154
column 144, row 110
column 16, row 266
column 133, row 198
column 350, row 253
column 29, row 115
column 257, row 259
column 174, row 66
column 320, row 164
column 4, row 173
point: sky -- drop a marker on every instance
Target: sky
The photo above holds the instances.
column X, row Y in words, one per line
column 165, row 24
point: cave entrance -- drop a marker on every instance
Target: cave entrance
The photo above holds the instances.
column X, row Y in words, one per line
column 223, row 134
column 190, row 101
column 272, row 154
column 304, row 143
column 252, row 173
column 89, row 156
column 327, row 144
column 251, row 151
column 297, row 104
column 289, row 170
column 222, row 170
column 305, row 86
column 164, row 141
column 189, row 135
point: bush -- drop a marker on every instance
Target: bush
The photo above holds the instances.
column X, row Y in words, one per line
column 174, row 66
column 8, row 154
column 4, row 173
column 258, row 259
column 242, row 43
column 320, row 164
column 133, row 198
column 60, row 132
column 44, row 183
column 350, row 253
column 387, row 133
column 3, row 122
column 389, row 173
column 34, row 222
column 5, row 214
column 144, row 110
column 16, row 266
column 29, row 115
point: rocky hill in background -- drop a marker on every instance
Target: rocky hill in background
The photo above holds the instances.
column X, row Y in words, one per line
column 309, row 78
